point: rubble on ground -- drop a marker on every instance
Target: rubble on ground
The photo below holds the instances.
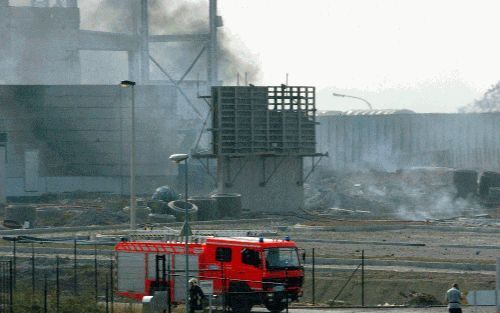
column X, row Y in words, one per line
column 425, row 194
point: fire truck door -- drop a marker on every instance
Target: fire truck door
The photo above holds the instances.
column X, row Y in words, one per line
column 250, row 269
column 180, row 274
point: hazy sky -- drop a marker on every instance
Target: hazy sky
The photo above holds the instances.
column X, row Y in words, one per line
column 425, row 55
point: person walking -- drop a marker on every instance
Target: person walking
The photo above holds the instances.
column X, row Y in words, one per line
column 195, row 296
column 453, row 297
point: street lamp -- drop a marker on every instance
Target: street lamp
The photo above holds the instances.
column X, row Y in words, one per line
column 177, row 158
column 354, row 97
column 131, row 84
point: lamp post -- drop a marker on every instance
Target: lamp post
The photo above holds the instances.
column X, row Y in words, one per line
column 177, row 158
column 354, row 97
column 131, row 84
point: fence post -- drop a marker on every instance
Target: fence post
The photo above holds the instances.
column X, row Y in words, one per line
column 286, row 289
column 111, row 284
column 74, row 269
column 95, row 274
column 107, row 294
column 32, row 272
column 224, row 291
column 11, row 289
column 313, row 277
column 169, row 298
column 58, row 289
column 362, row 278
column 45, row 308
column 14, row 260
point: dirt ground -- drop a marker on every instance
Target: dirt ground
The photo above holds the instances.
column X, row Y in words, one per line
column 459, row 240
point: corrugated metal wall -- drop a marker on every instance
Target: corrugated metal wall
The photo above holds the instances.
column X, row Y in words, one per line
column 390, row 142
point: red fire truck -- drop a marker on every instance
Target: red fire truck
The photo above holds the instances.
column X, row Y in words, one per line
column 244, row 271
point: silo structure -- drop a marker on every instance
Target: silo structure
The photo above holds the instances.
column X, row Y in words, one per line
column 260, row 135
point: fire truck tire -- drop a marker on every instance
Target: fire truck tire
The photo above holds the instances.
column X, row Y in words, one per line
column 275, row 307
column 241, row 305
column 240, row 299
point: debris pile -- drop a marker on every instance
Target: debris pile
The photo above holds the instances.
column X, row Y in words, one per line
column 409, row 194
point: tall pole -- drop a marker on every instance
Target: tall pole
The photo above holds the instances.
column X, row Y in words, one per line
column 186, row 232
column 132, row 163
column 362, row 278
column 212, row 46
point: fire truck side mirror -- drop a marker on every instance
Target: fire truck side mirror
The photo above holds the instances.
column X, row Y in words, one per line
column 303, row 256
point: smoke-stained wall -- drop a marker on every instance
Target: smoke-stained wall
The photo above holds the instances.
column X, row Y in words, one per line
column 390, row 142
column 81, row 136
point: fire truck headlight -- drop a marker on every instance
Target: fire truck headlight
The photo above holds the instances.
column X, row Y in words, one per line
column 270, row 295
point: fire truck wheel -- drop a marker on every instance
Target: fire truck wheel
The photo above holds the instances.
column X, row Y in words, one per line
column 241, row 305
column 240, row 299
column 275, row 307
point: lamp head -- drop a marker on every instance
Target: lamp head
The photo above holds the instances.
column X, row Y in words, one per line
column 127, row 83
column 178, row 157
column 338, row 94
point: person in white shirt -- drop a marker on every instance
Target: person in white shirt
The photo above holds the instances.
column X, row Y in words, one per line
column 453, row 297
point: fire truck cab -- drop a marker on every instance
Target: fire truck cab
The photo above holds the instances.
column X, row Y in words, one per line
column 244, row 271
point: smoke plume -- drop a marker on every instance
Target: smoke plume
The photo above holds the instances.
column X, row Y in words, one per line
column 174, row 17
column 489, row 102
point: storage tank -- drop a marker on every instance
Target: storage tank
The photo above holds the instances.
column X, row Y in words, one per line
column 207, row 207
column 17, row 216
column 228, row 204
column 178, row 209
column 465, row 182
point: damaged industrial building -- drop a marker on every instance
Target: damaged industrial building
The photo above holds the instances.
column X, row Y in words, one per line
column 60, row 134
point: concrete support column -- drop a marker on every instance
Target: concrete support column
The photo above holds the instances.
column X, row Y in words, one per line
column 144, row 40
column 31, row 175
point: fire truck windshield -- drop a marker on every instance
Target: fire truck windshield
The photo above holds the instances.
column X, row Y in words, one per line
column 277, row 258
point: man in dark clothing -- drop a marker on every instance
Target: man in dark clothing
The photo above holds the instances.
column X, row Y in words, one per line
column 195, row 296
column 453, row 297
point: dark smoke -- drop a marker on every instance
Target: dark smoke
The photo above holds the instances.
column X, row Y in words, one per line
column 489, row 102
column 174, row 17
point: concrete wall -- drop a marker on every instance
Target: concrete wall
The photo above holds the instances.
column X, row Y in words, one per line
column 389, row 142
column 281, row 193
column 80, row 137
